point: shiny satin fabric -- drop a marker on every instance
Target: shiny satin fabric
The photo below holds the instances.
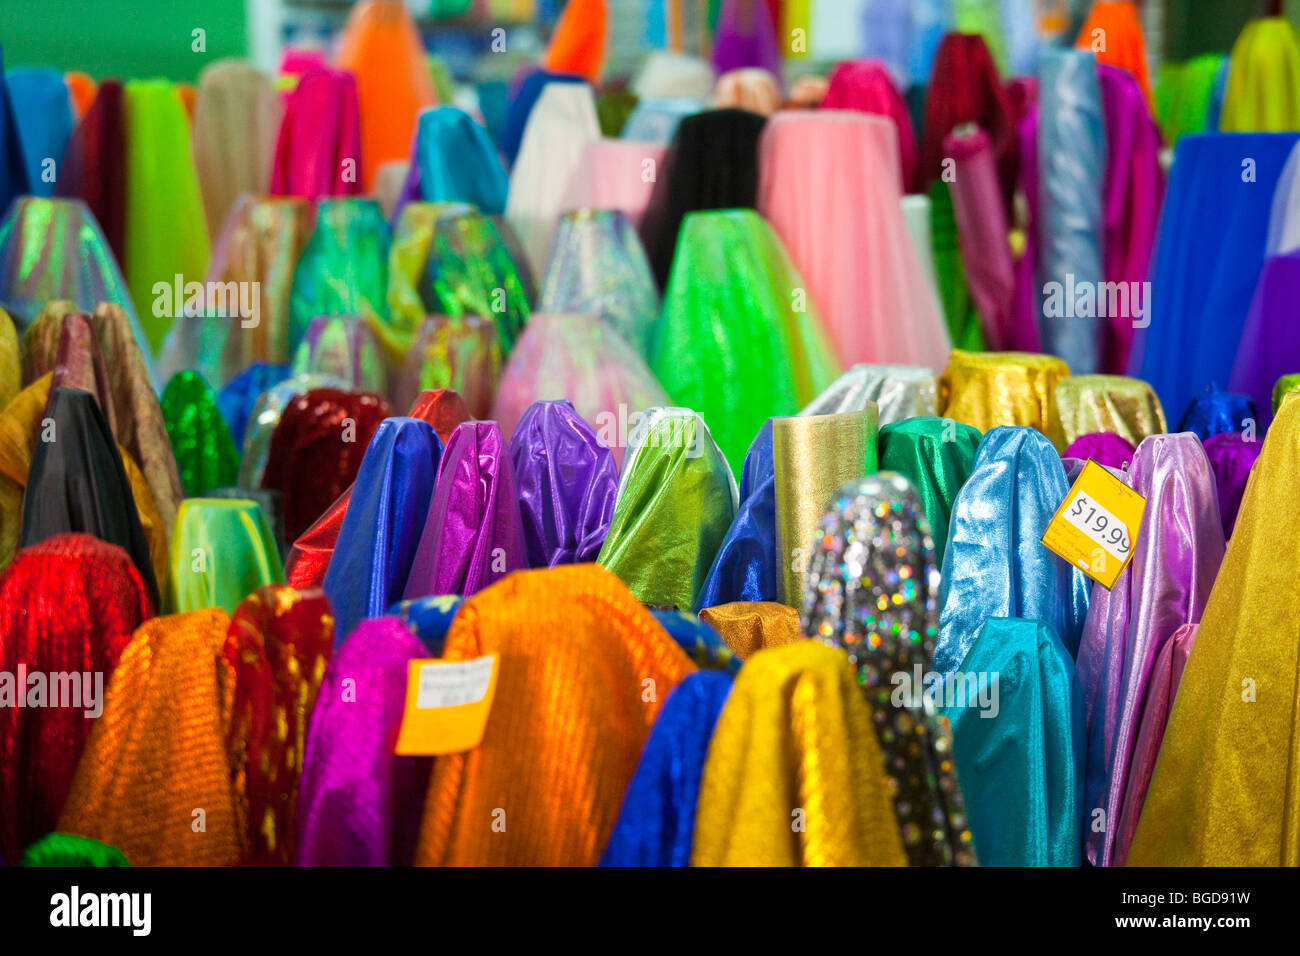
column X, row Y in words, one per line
column 676, row 500
column 67, row 605
column 1176, row 555
column 1287, row 383
column 166, row 715
column 917, row 216
column 996, row 564
column 795, row 734
column 745, row 36
column 613, row 174
column 42, row 111
column 454, row 160
column 264, row 419
column 1284, row 217
column 345, row 347
column 748, row 88
column 566, row 482
column 370, row 559
column 358, row 802
column 93, row 167
column 598, row 267
column 206, row 455
column 1108, row 403
column 1020, row 762
column 749, row 626
column 239, row 396
column 13, row 171
column 1183, row 94
column 1263, row 91
column 1106, row 448
column 899, row 391
column 222, row 550
column 319, row 142
column 578, row 44
column 733, row 343
column 936, row 456
column 236, row 113
column 955, row 302
column 66, row 849
column 1222, row 793
column 1269, row 346
column 1232, row 457
column 867, row 87
column 456, row 353
column 571, row 710
column 813, row 456
column 472, row 536
column 1122, row 47
column 270, row 503
column 657, row 819
column 1214, row 412
column 989, row 389
column 522, row 103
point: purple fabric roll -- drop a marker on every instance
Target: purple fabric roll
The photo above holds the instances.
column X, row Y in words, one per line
column 358, row 803
column 745, row 37
column 1105, row 448
column 1270, row 342
column 1176, row 556
column 567, row 482
column 1231, row 457
column 1028, row 300
column 472, row 537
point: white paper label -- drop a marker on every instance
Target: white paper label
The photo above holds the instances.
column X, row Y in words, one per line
column 454, row 683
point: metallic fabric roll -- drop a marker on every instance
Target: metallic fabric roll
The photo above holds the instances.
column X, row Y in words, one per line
column 988, row 389
column 235, row 123
column 899, row 391
column 66, row 849
column 263, row 420
column 205, row 453
column 750, row 626
column 345, row 347
column 457, row 352
column 1127, row 407
column 1287, row 383
column 221, row 552
column 408, row 256
column 814, row 456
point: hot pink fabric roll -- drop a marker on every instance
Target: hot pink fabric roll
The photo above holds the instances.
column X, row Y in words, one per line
column 318, row 151
column 616, row 174
column 829, row 185
column 865, row 86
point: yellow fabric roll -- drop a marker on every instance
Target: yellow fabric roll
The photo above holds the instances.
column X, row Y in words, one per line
column 11, row 372
column 987, row 389
column 794, row 775
column 1109, row 403
column 1224, row 791
column 749, row 626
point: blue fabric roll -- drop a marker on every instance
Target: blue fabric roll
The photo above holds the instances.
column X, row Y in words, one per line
column 494, row 104
column 429, row 618
column 43, row 113
column 236, row 400
column 458, row 161
column 1214, row 412
column 657, row 822
column 1209, row 252
column 521, row 107
column 656, row 121
column 13, row 169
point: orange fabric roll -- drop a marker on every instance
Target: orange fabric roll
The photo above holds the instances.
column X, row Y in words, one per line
column 81, row 88
column 578, row 44
column 187, row 95
column 750, row 626
column 582, row 668
column 1114, row 34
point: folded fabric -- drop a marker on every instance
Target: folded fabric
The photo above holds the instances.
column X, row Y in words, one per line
column 206, row 455
column 66, row 849
column 455, row 160
column 238, row 397
column 1108, row 403
column 578, row 44
column 94, row 164
column 222, row 551
column 617, row 175
column 264, row 419
column 1232, row 457
column 42, row 111
column 1268, row 348
column 453, row 353
column 989, row 389
column 1113, row 33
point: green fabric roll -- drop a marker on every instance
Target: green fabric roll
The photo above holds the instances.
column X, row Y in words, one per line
column 1263, row 91
column 222, row 550
column 676, row 500
column 1287, row 383
column 613, row 107
column 985, row 18
column 936, row 455
column 1182, row 95
column 68, row 849
column 732, row 343
column 205, row 452
column 958, row 306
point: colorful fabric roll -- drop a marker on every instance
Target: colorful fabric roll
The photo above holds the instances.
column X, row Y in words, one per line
column 866, row 86
column 617, row 175
column 1114, row 35
column 345, row 347
column 578, row 43
column 657, row 120
column 205, row 452
column 318, row 150
column 990, row 389
column 1182, row 96
column 454, row 160
column 665, row 74
column 1232, row 457
column 1106, row 448
column 93, row 168
column 522, row 104
column 13, row 171
column 1268, row 348
column 1108, row 403
column 702, row 644
column 222, row 551
column 898, row 391
column 916, row 217
column 749, row 88
column 459, row 353
column 11, row 368
column 1214, row 412
column 66, row 849
column 264, row 420
column 42, row 110
column 1263, row 91
column 745, row 36
column 955, row 302
column 234, row 136
column 429, row 618
column 749, row 626
column 239, row 396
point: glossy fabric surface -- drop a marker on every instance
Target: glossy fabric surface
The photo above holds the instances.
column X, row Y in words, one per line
column 455, row 160
column 745, row 36
column 1287, row 383
column 43, row 113
column 222, row 550
column 460, row 353
column 749, row 626
column 1105, row 448
column 866, row 86
column 1214, row 412
column 238, row 397
column 205, row 452
column 1270, row 345
column 702, row 644
column 1231, row 458
column 749, row 88
column 65, row 849
column 1263, row 91
column 94, row 164
column 1108, row 403
column 899, row 391
column 345, row 347
column 234, row 125
column 745, row 566
column 429, row 618
column 320, row 132
column 264, row 418
column 988, row 389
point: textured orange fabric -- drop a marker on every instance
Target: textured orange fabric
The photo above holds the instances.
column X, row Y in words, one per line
column 578, row 44
column 154, row 780
column 750, row 626
column 582, row 670
column 1114, row 34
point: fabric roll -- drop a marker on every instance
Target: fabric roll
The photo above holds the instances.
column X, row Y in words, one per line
column 429, row 618
column 263, row 420
column 1284, row 216
column 566, row 482
column 318, row 149
column 867, row 87
column 1263, row 91
column 345, row 347
column 454, row 160
column 676, row 500
column 1231, row 457
column 1183, row 93
column 916, row 217
column 459, row 353
column 702, row 644
column 1287, row 383
column 238, row 397
column 795, row 733
column 996, row 564
column 656, row 120
column 93, row 167
column 1113, row 33
column 734, row 344
column 78, row 364
column 13, row 171
column 955, row 302
column 42, row 111
column 272, row 507
column 604, row 641
column 222, row 551
column 235, row 116
column 1004, row 388
column 1108, row 403
column 578, row 43
column 11, row 369
column 813, row 457
column 745, row 36
column 665, row 74
column 618, row 175
column 598, row 267
column 521, row 108
column 899, row 392
column 1269, row 347
column 1214, row 412
column 1106, row 448
column 748, row 88
column 828, row 181
column 1021, row 766
column 749, row 626
column 205, row 452
column 66, row 849
column 67, row 605
column 166, row 716
column 936, row 455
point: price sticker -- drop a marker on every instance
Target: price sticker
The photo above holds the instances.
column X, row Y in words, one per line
column 1096, row 525
column 447, row 706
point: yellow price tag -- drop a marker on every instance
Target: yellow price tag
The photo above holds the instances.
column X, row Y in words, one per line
column 1096, row 525
column 447, row 706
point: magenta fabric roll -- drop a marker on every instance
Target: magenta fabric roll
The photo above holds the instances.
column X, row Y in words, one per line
column 828, row 184
column 866, row 86
column 1105, row 448
column 1231, row 458
column 472, row 536
column 321, row 130
column 359, row 804
column 1134, row 191
column 1028, row 300
column 616, row 174
column 745, row 36
column 1175, row 559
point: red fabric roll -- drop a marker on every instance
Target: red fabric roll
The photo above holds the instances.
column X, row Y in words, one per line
column 94, row 165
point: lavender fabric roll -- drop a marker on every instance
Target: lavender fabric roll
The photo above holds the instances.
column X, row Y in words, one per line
column 1231, row 458
column 1072, row 164
column 567, row 482
column 359, row 804
column 1105, row 448
column 472, row 536
column 1176, row 556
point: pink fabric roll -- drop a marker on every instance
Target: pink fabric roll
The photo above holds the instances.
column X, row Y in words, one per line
column 866, row 86
column 318, row 151
column 829, row 185
column 616, row 174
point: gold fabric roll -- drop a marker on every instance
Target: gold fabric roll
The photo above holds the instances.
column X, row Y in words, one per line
column 11, row 371
column 987, row 389
column 1109, row 403
column 794, row 774
column 813, row 456
column 749, row 626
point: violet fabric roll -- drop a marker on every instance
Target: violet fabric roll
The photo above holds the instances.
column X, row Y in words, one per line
column 319, row 134
column 566, row 482
column 1105, row 448
column 1231, row 458
column 1215, row 411
column 745, row 36
column 1176, row 555
column 359, row 804
column 1270, row 342
column 472, row 536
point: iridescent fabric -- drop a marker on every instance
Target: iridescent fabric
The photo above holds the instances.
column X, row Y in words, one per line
column 1263, row 91
column 936, row 455
column 343, row 347
column 676, row 500
column 1106, row 448
column 1108, row 403
column 870, row 589
column 456, row 352
column 996, row 564
column 749, row 626
column 1020, row 762
column 221, row 551
column 899, row 391
column 205, row 453
column 318, row 148
column 989, row 389
column 239, row 396
column 1214, row 412
column 235, row 119
column 1232, row 457
column 263, row 420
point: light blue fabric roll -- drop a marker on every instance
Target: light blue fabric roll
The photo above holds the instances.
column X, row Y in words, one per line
column 43, row 112
column 458, row 161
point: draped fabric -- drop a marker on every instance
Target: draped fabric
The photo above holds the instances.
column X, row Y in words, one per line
column 42, row 110
column 345, row 347
column 1183, row 94
column 1021, row 765
column 11, row 370
column 989, row 389
column 745, row 36
column 265, row 417
column 955, row 302
column 239, row 396
column 566, row 481
column 1106, row 448
column 235, row 115
column 455, row 160
column 222, row 550
column 1108, row 403
column 656, row 120
column 866, row 86
column 521, row 109
column 1214, row 412
column 1114, row 35
column 570, row 710
column 93, row 167
column 1231, row 457
column 578, row 44
column 749, row 626
column 795, row 733
column 996, row 564
column 65, row 849
column 205, row 452
column 1269, row 347
column 1263, row 91
column 749, row 88
column 459, row 353
column 67, row 605
column 898, row 391
column 13, row 172
column 665, row 74
column 319, row 144
column 617, row 175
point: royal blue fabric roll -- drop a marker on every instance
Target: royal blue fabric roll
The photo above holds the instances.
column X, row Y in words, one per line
column 1208, row 256
column 1215, row 411
column 657, row 822
column 43, row 113
column 13, row 170
column 521, row 107
column 236, row 400
column 429, row 618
